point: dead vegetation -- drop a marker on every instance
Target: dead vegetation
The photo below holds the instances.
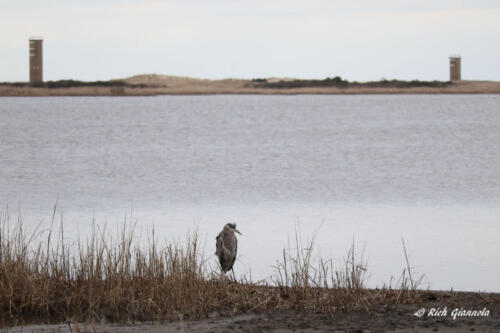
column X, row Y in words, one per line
column 48, row 278
column 338, row 82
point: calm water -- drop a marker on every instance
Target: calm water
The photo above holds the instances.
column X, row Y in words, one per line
column 369, row 168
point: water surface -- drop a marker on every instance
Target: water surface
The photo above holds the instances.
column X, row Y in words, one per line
column 372, row 168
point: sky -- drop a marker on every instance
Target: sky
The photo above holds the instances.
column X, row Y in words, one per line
column 359, row 40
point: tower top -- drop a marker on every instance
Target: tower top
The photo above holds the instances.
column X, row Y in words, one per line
column 36, row 38
column 455, row 56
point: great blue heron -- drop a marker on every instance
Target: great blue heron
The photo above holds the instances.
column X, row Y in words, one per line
column 227, row 246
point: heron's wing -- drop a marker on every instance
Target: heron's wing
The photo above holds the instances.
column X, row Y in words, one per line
column 230, row 246
column 219, row 244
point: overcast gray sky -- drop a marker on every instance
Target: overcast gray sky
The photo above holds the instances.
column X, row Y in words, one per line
column 357, row 39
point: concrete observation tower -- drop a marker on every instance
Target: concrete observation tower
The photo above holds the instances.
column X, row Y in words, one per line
column 455, row 68
column 36, row 59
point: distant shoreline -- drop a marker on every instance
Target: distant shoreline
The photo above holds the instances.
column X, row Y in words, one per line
column 154, row 84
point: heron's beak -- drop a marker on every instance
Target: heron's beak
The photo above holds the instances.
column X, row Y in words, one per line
column 238, row 231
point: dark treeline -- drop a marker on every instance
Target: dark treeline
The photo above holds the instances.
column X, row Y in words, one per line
column 341, row 83
column 73, row 83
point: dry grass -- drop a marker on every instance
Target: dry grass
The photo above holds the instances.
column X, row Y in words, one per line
column 46, row 278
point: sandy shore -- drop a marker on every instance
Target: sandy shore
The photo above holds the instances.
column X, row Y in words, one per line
column 153, row 84
column 400, row 318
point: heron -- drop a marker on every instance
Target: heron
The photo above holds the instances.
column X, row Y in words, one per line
column 227, row 246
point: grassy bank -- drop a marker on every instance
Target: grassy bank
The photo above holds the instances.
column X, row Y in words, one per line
column 47, row 278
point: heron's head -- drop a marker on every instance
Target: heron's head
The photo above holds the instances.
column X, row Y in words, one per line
column 232, row 227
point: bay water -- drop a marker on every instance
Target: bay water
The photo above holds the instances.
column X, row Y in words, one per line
column 368, row 169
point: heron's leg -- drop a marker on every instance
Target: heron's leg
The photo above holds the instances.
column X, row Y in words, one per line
column 234, row 277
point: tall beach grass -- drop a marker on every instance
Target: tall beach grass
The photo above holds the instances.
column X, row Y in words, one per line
column 48, row 278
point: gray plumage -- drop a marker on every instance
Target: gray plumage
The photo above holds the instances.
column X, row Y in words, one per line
column 226, row 246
